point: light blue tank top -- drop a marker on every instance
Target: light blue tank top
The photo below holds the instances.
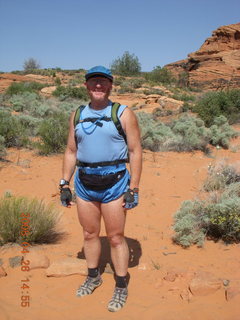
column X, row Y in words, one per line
column 99, row 143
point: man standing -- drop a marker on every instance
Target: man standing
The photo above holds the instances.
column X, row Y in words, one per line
column 101, row 147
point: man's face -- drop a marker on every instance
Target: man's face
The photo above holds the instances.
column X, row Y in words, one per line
column 99, row 88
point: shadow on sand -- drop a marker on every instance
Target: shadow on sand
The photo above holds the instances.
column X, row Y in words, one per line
column 135, row 252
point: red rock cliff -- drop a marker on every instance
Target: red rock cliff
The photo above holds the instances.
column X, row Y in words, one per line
column 216, row 64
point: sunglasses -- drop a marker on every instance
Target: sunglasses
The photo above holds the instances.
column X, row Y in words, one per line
column 95, row 81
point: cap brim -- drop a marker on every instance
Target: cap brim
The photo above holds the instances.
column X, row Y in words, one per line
column 98, row 74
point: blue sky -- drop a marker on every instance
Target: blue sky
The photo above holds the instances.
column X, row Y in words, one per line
column 73, row 34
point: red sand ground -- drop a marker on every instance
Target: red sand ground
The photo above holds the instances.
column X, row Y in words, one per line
column 168, row 179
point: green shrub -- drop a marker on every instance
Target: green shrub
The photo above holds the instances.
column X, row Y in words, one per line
column 69, row 106
column 215, row 104
column 153, row 133
column 24, row 102
column 21, row 87
column 183, row 79
column 219, row 176
column 153, row 91
column 221, row 132
column 160, row 75
column 127, row 65
column 12, row 130
column 224, row 220
column 130, row 85
column 118, row 81
column 232, row 190
column 191, row 134
column 57, row 81
column 40, row 220
column 53, row 132
column 126, row 87
column 71, row 92
column 187, row 133
column 183, row 97
column 31, row 104
column 189, row 224
column 217, row 217
column 2, row 147
column 29, row 123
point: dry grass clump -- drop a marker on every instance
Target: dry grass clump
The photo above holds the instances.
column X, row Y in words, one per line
column 31, row 220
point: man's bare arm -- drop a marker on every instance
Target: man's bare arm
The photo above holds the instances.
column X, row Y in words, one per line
column 130, row 125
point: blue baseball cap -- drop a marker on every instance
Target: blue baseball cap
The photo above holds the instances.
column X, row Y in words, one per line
column 99, row 71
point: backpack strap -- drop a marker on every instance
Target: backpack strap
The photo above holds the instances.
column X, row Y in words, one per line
column 114, row 117
column 77, row 115
column 116, row 121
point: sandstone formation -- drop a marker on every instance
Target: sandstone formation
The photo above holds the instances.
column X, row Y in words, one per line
column 216, row 65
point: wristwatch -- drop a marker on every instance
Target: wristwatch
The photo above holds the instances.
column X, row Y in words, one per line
column 63, row 183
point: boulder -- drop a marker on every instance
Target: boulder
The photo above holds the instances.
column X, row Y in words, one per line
column 66, row 267
column 37, row 260
column 202, row 286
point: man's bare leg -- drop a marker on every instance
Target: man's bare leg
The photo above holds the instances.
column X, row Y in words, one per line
column 90, row 219
column 114, row 217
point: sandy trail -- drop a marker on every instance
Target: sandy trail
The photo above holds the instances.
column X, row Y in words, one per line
column 168, row 179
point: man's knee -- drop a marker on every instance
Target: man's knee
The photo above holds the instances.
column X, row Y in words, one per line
column 116, row 239
column 90, row 235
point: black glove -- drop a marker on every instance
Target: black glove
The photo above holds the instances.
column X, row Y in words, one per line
column 131, row 199
column 66, row 196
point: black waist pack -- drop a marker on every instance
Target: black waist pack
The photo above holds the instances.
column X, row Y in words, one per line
column 98, row 182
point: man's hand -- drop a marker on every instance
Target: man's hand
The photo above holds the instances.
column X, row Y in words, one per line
column 66, row 196
column 130, row 199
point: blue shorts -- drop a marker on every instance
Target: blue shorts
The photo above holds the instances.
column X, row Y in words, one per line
column 105, row 195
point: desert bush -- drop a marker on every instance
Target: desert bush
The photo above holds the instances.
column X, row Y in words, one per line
column 153, row 133
column 2, row 147
column 220, row 175
column 30, row 64
column 71, row 92
column 224, row 220
column 127, row 65
column 189, row 223
column 21, row 87
column 160, row 75
column 153, row 91
column 12, row 130
column 57, row 81
column 183, row 79
column 53, row 132
column 198, row 220
column 70, row 105
column 191, row 134
column 126, row 87
column 24, row 102
column 130, row 85
column 186, row 133
column 32, row 104
column 231, row 190
column 29, row 123
column 118, row 81
column 217, row 217
column 215, row 104
column 183, row 97
column 221, row 132
column 40, row 217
